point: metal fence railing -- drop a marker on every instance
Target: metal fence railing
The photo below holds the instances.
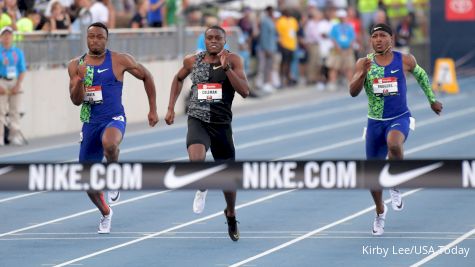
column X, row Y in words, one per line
column 45, row 49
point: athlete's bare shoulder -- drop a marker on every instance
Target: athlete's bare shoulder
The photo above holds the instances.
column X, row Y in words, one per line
column 74, row 61
column 189, row 61
column 409, row 61
column 121, row 57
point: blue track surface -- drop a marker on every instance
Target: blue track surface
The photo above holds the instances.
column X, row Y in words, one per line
column 290, row 228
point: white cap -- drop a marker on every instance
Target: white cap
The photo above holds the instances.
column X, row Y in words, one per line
column 341, row 13
column 5, row 29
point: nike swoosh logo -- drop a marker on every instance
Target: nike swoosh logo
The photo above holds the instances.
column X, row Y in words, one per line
column 394, row 125
column 173, row 182
column 391, row 180
column 116, row 197
column 5, row 170
column 394, row 71
column 100, row 71
column 216, row 67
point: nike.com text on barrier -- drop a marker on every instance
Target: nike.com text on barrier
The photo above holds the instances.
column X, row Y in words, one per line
column 328, row 174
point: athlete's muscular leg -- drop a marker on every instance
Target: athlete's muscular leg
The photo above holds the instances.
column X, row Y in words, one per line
column 395, row 141
column 197, row 152
column 378, row 200
column 97, row 197
column 110, row 142
column 230, row 197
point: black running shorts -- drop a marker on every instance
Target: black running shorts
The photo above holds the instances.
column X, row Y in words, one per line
column 218, row 137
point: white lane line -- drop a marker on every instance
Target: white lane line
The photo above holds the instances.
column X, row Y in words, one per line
column 20, row 196
column 416, row 149
column 314, row 232
column 175, row 126
column 220, row 213
column 262, row 125
column 223, row 235
column 266, row 124
column 444, row 248
column 81, row 213
column 423, row 123
column 242, row 128
column 442, row 141
column 299, row 117
column 247, row 232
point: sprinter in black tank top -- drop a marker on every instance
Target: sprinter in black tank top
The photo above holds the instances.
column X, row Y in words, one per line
column 216, row 74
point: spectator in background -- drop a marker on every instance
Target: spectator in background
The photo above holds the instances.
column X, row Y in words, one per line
column 246, row 39
column 404, row 35
column 367, row 10
column 267, row 48
column 302, row 50
column 355, row 22
column 11, row 8
column 27, row 23
column 170, row 12
column 396, row 10
column 342, row 58
column 379, row 17
column 66, row 4
column 139, row 20
column 111, row 13
column 324, row 28
column 155, row 16
column 26, row 5
column 90, row 13
column 312, row 36
column 5, row 18
column 12, row 73
column 287, row 28
column 59, row 19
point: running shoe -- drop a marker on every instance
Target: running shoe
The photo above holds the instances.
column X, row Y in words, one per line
column 378, row 224
column 105, row 223
column 233, row 230
column 199, row 201
column 396, row 199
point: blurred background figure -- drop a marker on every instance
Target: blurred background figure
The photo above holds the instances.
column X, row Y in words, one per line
column 139, row 20
column 267, row 49
column 313, row 38
column 396, row 10
column 403, row 34
column 12, row 73
column 287, row 27
column 342, row 58
column 59, row 19
column 155, row 16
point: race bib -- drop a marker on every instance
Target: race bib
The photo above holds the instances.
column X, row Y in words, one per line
column 93, row 95
column 212, row 92
column 11, row 72
column 385, row 86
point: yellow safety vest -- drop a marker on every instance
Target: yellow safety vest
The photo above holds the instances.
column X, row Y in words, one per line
column 396, row 12
column 367, row 6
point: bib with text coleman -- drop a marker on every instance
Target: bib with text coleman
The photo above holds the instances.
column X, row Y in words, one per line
column 93, row 95
column 211, row 92
column 386, row 86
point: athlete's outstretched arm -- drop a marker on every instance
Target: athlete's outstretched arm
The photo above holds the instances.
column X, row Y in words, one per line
column 140, row 72
column 357, row 82
column 423, row 80
column 177, row 85
column 234, row 67
column 76, row 85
